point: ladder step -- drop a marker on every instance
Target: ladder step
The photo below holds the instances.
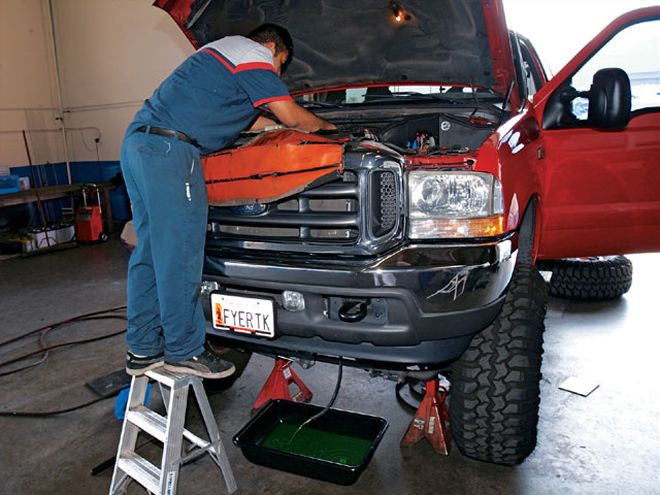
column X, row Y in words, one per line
column 156, row 425
column 149, row 421
column 142, row 471
column 170, row 378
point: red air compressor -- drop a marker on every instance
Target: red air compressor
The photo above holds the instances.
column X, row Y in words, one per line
column 89, row 222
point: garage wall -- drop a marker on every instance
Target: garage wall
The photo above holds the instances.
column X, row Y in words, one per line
column 112, row 54
column 27, row 96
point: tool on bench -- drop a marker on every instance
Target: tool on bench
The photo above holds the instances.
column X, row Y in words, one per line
column 170, row 430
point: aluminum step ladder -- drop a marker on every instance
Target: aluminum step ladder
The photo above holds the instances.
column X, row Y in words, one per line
column 170, row 430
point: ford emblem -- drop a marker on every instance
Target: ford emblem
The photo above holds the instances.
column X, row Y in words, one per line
column 251, row 210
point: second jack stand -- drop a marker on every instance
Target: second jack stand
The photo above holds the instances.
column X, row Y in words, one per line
column 430, row 418
column 277, row 385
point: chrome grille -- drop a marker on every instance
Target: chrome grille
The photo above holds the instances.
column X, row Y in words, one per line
column 327, row 213
column 357, row 213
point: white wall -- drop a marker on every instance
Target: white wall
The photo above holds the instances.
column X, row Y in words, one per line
column 26, row 85
column 112, row 54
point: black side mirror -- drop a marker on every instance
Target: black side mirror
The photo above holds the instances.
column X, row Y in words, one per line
column 609, row 99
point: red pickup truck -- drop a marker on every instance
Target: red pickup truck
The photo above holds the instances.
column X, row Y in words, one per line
column 462, row 169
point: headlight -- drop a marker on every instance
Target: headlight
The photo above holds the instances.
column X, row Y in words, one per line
column 454, row 204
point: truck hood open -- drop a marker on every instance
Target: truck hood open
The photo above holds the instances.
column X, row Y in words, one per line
column 339, row 43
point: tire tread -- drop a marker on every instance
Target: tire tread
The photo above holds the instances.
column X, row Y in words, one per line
column 495, row 391
column 600, row 279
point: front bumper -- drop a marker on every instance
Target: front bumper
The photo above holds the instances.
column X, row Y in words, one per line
column 423, row 302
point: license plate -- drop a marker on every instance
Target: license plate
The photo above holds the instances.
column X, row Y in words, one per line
column 243, row 314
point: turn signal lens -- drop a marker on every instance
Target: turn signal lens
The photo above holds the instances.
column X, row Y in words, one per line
column 456, row 227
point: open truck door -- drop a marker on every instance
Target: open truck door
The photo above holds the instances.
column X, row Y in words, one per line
column 600, row 150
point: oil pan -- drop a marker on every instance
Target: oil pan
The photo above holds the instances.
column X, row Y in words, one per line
column 335, row 447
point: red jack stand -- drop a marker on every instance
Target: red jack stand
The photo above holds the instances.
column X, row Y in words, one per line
column 429, row 420
column 277, row 385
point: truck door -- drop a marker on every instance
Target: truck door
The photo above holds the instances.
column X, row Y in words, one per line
column 600, row 186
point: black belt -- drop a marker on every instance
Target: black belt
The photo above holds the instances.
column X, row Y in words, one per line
column 149, row 129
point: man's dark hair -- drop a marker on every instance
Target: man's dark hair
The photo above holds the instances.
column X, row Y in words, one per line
column 277, row 34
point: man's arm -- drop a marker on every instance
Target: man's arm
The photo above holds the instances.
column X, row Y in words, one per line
column 261, row 123
column 293, row 115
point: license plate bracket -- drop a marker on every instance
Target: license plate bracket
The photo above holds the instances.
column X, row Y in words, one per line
column 241, row 314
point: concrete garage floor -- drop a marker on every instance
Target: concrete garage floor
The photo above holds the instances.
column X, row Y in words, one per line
column 606, row 443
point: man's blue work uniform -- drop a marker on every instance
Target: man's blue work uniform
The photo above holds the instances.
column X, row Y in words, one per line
column 210, row 98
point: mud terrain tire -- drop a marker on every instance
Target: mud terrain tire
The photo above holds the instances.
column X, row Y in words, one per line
column 239, row 358
column 599, row 278
column 494, row 400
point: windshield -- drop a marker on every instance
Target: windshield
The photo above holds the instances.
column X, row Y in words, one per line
column 365, row 95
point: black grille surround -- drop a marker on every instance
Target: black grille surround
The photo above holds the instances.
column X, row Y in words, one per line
column 355, row 212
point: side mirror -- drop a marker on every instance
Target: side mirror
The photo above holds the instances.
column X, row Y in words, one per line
column 609, row 99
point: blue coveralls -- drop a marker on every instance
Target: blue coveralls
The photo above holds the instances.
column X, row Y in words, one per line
column 210, row 97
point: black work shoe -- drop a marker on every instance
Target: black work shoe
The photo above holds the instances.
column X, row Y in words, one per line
column 137, row 365
column 207, row 365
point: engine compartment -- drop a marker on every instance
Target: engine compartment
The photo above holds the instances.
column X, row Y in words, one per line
column 429, row 132
column 437, row 133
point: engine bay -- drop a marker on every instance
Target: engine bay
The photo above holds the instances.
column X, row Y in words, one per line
column 438, row 132
column 431, row 133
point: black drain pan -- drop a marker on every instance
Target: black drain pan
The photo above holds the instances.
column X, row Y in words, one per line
column 336, row 447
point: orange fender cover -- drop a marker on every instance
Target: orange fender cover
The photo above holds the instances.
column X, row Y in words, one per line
column 273, row 166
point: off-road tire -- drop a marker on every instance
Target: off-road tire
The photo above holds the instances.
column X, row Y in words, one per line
column 494, row 400
column 238, row 357
column 599, row 278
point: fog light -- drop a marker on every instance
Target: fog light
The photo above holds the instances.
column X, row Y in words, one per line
column 209, row 286
column 293, row 301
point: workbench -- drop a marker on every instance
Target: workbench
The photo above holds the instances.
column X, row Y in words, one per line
column 54, row 192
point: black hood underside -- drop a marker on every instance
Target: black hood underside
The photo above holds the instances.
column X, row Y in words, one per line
column 339, row 43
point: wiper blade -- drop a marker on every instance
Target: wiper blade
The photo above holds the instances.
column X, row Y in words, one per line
column 443, row 97
column 320, row 104
column 405, row 97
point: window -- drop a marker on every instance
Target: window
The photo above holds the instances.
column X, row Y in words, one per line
column 636, row 50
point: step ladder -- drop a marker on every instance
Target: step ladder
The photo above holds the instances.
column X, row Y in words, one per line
column 170, row 430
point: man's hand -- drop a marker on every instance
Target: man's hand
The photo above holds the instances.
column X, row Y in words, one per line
column 293, row 115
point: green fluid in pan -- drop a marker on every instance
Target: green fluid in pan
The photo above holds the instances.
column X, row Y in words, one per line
column 318, row 444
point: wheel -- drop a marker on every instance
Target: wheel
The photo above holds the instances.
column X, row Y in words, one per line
column 103, row 237
column 238, row 357
column 494, row 401
column 598, row 278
